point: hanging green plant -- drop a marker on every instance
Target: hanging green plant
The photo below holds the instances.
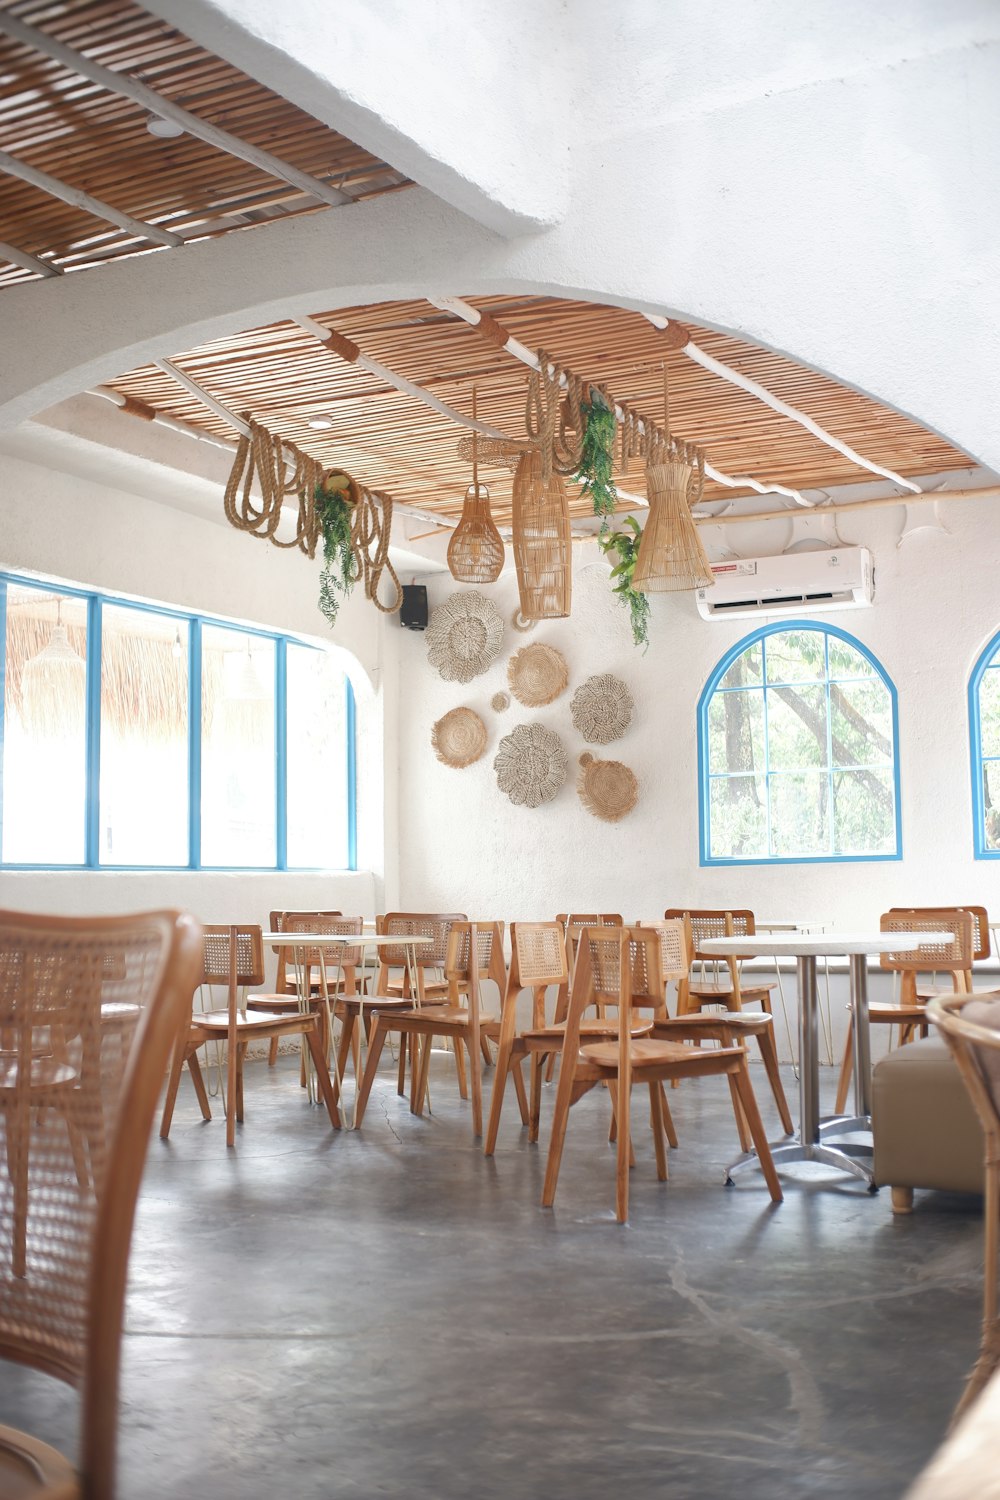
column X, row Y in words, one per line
column 597, row 456
column 335, row 502
column 625, row 544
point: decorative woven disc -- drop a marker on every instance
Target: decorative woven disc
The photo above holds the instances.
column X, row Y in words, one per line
column 459, row 738
column 537, row 675
column 500, row 702
column 606, row 788
column 464, row 636
column 602, row 709
column 520, row 623
column 530, row 765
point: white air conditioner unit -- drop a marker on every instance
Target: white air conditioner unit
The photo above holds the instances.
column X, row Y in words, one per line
column 843, row 578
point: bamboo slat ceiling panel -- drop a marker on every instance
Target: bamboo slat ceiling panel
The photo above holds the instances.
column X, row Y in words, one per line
column 282, row 375
column 73, row 129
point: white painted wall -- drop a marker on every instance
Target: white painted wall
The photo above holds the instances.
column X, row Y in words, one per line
column 78, row 531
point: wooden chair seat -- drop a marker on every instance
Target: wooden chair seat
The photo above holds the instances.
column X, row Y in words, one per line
column 261, row 1021
column 719, row 993
column 590, row 1026
column 29, row 1469
column 644, row 1053
column 47, row 1074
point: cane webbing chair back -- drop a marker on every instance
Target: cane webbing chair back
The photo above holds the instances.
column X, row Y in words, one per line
column 489, row 964
column 433, row 925
column 335, row 957
column 282, row 983
column 624, row 967
column 223, row 944
column 590, row 919
column 954, row 956
column 709, row 922
column 538, row 955
column 675, row 948
column 77, row 1100
column 981, row 944
column 971, row 1027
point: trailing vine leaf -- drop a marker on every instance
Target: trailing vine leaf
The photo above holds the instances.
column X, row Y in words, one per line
column 336, row 515
column 625, row 545
column 597, row 457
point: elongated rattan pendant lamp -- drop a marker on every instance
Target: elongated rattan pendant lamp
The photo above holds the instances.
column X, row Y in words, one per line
column 671, row 556
column 53, row 687
column 475, row 552
column 542, row 542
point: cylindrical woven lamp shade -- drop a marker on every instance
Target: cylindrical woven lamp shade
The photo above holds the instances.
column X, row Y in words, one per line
column 542, row 543
column 475, row 552
column 670, row 554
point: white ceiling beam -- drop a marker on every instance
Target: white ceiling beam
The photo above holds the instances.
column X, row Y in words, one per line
column 12, row 167
column 157, row 104
column 27, row 262
column 200, row 394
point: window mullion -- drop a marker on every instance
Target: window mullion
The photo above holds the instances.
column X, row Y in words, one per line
column 281, row 751
column 352, row 777
column 92, row 799
column 194, row 743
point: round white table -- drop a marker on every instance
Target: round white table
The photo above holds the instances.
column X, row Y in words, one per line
column 806, row 948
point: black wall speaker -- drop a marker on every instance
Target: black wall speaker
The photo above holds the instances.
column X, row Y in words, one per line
column 413, row 613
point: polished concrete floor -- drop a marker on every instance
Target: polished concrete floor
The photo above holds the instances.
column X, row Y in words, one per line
column 318, row 1315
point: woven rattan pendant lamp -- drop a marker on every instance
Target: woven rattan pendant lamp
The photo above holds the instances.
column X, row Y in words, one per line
column 475, row 552
column 671, row 556
column 542, row 543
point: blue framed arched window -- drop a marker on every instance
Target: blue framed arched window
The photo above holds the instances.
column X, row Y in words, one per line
column 798, row 732
column 984, row 740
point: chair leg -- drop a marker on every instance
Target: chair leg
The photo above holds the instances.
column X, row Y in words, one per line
column 769, row 1057
column 668, row 1119
column 538, row 1063
column 484, row 1047
column 902, row 1200
column 506, row 1063
column 846, row 1069
column 376, row 1042
column 241, row 1058
column 420, row 1075
column 560, row 1117
column 404, row 1043
column 476, row 1086
column 622, row 1089
column 323, row 1078
column 463, row 1087
column 656, row 1121
column 741, row 1124
column 757, row 1133
column 613, row 1129
column 201, row 1093
column 519, row 1090
column 272, row 1052
column 348, row 1046
column 173, row 1083
column 232, row 1067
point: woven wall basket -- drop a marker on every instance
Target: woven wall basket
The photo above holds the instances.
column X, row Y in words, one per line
column 541, row 541
column 500, row 702
column 607, row 788
column 602, row 709
column 464, row 636
column 537, row 675
column 459, row 738
column 531, row 765
column 670, row 554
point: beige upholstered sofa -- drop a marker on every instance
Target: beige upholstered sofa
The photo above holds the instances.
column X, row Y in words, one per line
column 927, row 1134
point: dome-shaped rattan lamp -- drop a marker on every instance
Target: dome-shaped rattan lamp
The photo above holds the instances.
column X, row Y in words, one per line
column 475, row 552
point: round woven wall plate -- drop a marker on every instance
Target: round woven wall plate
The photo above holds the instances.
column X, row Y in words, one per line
column 602, row 709
column 500, row 702
column 459, row 738
column 464, row 636
column 607, row 788
column 520, row 623
column 537, row 675
column 530, row 765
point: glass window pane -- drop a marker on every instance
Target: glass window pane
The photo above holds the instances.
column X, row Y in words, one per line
column 991, row 801
column 45, row 728
column 796, row 656
column 739, row 817
column 989, row 711
column 864, row 813
column 747, row 668
column 846, row 662
column 796, row 728
column 144, row 738
column 317, row 760
column 736, row 732
column 800, row 814
column 861, row 723
column 237, row 749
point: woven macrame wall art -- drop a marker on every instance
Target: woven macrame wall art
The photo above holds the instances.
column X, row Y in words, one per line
column 464, row 636
column 602, row 709
column 530, row 765
column 607, row 788
column 537, row 675
column 459, row 738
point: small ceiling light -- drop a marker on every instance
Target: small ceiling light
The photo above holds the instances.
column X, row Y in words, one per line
column 319, row 423
column 164, row 129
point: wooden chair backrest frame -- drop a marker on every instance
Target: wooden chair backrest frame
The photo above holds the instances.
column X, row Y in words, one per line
column 675, row 947
column 463, row 973
column 982, row 946
column 435, row 925
column 717, row 922
column 323, row 959
column 275, row 918
column 537, row 962
column 619, row 967
column 168, row 962
column 954, row 958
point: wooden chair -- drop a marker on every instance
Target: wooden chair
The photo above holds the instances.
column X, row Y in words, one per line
column 539, row 961
column 628, row 962
column 329, row 971
column 981, row 949
column 732, row 992
column 426, row 966
column 474, row 953
column 234, row 957
column 909, row 1013
column 971, row 1027
column 728, row 1028
column 65, row 1244
column 284, row 984
column 572, row 925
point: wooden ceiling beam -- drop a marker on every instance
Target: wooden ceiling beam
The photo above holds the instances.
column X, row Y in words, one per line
column 986, row 492
column 12, row 167
column 157, row 104
column 27, row 262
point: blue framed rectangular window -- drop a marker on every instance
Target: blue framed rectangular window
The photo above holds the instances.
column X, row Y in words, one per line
column 135, row 736
column 984, row 743
column 797, row 751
